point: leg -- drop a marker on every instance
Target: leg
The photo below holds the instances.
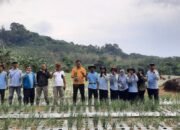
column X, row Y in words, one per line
column 150, row 93
column 18, row 92
column 90, row 93
column 105, row 94
column 11, row 95
column 75, row 90
column 96, row 94
column 25, row 99
column 38, row 94
column 45, row 91
column 100, row 95
column 32, row 95
column 156, row 95
column 55, row 93
column 2, row 95
column 61, row 95
column 81, row 88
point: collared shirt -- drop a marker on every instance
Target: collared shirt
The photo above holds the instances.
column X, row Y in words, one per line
column 58, row 78
column 132, row 83
column 29, row 80
column 78, row 75
column 103, row 82
column 3, row 80
column 122, row 82
column 152, row 79
column 113, row 81
column 92, row 79
column 15, row 76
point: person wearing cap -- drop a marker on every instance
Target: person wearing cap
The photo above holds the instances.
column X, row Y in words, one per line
column 3, row 83
column 113, row 78
column 152, row 79
column 29, row 84
column 92, row 78
column 78, row 75
column 141, row 84
column 132, row 80
column 103, row 79
column 15, row 76
column 42, row 84
column 122, row 85
column 59, row 84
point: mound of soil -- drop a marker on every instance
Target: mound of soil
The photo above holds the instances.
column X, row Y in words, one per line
column 172, row 85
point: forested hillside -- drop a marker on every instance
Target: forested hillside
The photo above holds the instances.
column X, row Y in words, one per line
column 30, row 47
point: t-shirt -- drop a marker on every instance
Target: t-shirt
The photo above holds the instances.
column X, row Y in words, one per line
column 92, row 79
column 3, row 80
column 15, row 76
column 78, row 75
column 58, row 78
column 103, row 82
column 132, row 83
column 113, row 82
column 122, row 82
column 152, row 79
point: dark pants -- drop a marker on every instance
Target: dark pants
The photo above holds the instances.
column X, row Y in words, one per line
column 103, row 95
column 2, row 93
column 153, row 93
column 114, row 94
column 141, row 95
column 92, row 92
column 29, row 95
column 79, row 87
column 11, row 93
column 123, row 95
column 132, row 96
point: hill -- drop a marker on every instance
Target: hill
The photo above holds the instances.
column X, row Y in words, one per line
column 29, row 46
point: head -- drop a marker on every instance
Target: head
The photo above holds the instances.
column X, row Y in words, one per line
column 122, row 72
column 113, row 71
column 58, row 67
column 131, row 71
column 78, row 63
column 91, row 69
column 103, row 69
column 43, row 67
column 141, row 71
column 28, row 69
column 15, row 65
column 152, row 67
column 1, row 68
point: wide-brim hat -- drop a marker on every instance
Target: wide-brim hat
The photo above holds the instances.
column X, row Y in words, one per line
column 91, row 66
column 131, row 69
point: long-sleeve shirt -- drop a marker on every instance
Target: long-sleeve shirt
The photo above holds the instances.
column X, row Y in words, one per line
column 122, row 82
column 132, row 83
column 92, row 79
column 15, row 76
column 78, row 75
column 152, row 79
column 42, row 78
column 29, row 80
column 3, row 80
column 103, row 82
column 113, row 82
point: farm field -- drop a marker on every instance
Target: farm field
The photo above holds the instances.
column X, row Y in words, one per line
column 115, row 115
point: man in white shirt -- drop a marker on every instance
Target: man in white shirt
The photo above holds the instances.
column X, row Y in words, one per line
column 152, row 79
column 59, row 84
column 15, row 75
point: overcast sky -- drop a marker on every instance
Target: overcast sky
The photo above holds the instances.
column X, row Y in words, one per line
column 150, row 27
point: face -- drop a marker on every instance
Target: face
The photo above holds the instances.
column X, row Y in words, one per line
column 153, row 67
column 113, row 71
column 15, row 65
column 78, row 64
column 91, row 69
column 58, row 68
column 1, row 68
column 131, row 72
column 43, row 67
column 28, row 69
column 103, row 70
column 121, row 72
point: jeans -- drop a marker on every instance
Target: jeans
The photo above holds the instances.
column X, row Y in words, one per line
column 2, row 94
column 153, row 93
column 11, row 93
column 39, row 90
column 29, row 95
column 79, row 87
column 92, row 92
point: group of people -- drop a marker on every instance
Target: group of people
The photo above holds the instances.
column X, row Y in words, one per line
column 130, row 86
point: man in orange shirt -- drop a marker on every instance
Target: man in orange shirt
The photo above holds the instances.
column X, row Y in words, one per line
column 78, row 75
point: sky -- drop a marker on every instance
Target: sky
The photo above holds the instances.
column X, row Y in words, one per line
column 150, row 27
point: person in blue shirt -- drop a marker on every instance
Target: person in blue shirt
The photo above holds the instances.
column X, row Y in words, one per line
column 132, row 80
column 92, row 78
column 3, row 83
column 29, row 82
column 152, row 79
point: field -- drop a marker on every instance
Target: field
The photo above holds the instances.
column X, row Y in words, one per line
column 116, row 115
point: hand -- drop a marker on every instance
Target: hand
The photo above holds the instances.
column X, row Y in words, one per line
column 64, row 87
column 83, row 73
column 7, row 88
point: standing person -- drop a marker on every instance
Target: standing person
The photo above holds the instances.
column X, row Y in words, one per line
column 132, row 80
column 92, row 78
column 3, row 83
column 59, row 84
column 103, row 79
column 78, row 75
column 42, row 84
column 141, row 84
column 122, row 85
column 29, row 83
column 15, row 75
column 114, row 84
column 152, row 79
